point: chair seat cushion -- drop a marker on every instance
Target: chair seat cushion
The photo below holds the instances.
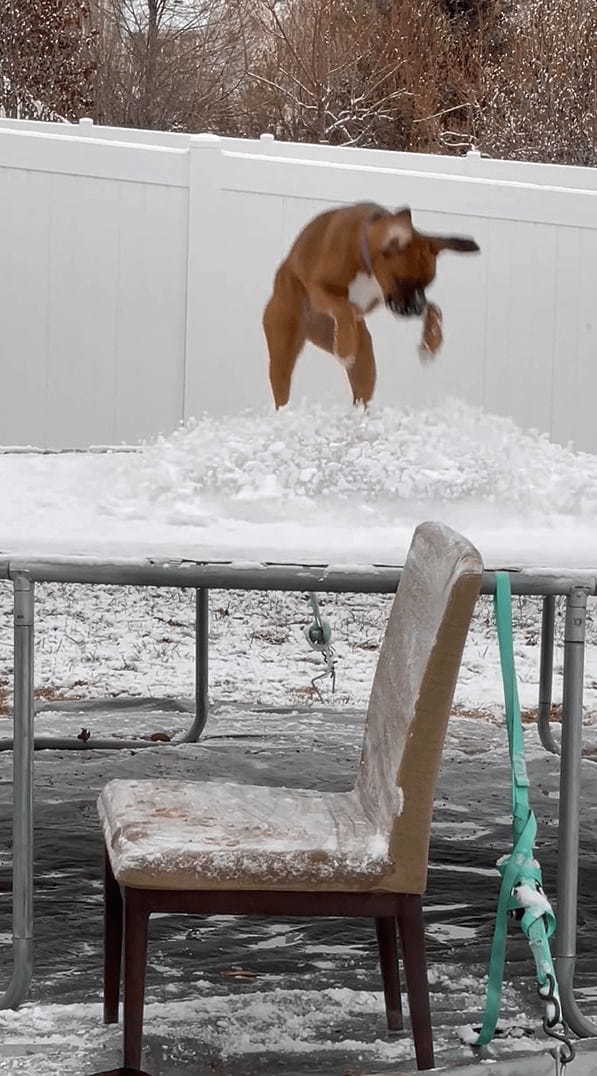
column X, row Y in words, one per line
column 167, row 834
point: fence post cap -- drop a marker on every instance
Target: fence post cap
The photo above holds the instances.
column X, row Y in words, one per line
column 206, row 141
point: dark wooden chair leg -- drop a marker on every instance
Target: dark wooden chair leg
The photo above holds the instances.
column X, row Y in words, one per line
column 412, row 940
column 135, row 958
column 121, row 1072
column 388, row 962
column 112, row 943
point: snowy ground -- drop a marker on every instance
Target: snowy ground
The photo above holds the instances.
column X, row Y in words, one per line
column 336, row 487
column 246, row 997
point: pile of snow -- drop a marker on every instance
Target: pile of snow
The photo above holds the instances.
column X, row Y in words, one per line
column 310, row 484
column 453, row 452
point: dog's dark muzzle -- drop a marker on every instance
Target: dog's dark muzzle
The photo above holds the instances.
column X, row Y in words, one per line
column 408, row 306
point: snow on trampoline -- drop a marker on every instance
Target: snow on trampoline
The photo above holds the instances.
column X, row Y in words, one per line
column 311, row 484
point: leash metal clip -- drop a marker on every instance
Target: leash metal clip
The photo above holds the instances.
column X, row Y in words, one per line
column 319, row 635
column 564, row 1051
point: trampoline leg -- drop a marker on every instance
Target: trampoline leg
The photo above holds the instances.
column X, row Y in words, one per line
column 568, row 834
column 546, row 674
column 201, row 665
column 22, row 816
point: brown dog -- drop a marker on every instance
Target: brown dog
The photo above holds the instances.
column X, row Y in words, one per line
column 341, row 266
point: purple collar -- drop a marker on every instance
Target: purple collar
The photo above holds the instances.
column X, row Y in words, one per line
column 364, row 249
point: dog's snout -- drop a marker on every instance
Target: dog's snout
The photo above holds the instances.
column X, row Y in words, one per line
column 408, row 305
column 419, row 302
column 399, row 306
column 395, row 304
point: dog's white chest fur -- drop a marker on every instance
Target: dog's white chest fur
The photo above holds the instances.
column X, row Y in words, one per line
column 365, row 292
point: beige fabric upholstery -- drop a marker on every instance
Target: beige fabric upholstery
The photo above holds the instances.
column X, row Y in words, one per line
column 166, row 834
column 412, row 694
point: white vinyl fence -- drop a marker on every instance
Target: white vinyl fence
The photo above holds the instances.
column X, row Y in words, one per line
column 134, row 267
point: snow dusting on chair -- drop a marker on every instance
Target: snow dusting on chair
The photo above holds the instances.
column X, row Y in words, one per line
column 168, row 834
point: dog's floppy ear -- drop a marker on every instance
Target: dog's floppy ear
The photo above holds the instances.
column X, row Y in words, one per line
column 396, row 228
column 452, row 242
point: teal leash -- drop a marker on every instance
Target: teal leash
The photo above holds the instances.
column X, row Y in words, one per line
column 521, row 891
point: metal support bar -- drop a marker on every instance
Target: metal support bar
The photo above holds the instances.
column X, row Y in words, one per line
column 233, row 575
column 546, row 674
column 22, row 821
column 568, row 833
column 94, row 743
column 201, row 665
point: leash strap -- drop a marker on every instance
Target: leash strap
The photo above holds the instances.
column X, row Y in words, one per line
column 521, row 891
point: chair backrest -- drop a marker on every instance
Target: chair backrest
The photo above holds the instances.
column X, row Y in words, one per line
column 412, row 694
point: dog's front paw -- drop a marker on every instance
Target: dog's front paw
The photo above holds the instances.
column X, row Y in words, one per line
column 432, row 338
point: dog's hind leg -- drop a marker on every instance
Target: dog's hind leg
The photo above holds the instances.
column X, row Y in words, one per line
column 283, row 323
column 362, row 373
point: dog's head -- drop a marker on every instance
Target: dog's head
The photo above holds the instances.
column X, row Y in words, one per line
column 404, row 260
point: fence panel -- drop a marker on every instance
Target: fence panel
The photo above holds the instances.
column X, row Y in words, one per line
column 93, row 240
